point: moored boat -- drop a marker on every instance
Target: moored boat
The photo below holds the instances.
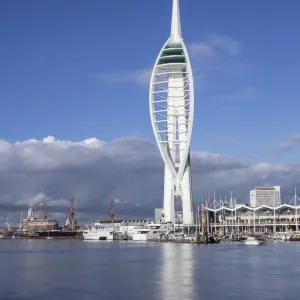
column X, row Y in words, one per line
column 56, row 234
column 140, row 235
column 98, row 233
column 152, row 231
column 214, row 239
column 253, row 241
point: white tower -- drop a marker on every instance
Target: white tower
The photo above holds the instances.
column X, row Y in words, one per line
column 30, row 215
column 172, row 112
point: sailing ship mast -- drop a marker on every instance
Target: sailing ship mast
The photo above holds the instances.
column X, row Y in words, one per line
column 21, row 220
column 45, row 210
column 112, row 210
column 205, row 220
column 7, row 225
column 207, row 214
column 71, row 220
column 72, row 214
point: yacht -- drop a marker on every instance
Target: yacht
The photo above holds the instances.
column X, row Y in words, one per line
column 152, row 231
column 140, row 234
column 98, row 233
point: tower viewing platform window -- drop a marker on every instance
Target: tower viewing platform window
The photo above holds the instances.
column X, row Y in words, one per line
column 170, row 52
column 179, row 59
column 173, row 46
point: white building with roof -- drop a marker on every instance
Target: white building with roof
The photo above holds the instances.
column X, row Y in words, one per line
column 269, row 196
column 263, row 218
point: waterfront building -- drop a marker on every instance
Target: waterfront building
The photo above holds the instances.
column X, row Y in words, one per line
column 260, row 219
column 33, row 224
column 265, row 196
column 172, row 110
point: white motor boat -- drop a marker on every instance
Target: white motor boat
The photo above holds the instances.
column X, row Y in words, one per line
column 252, row 241
column 140, row 235
column 98, row 233
column 152, row 231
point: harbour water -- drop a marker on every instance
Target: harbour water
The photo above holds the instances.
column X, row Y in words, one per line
column 74, row 269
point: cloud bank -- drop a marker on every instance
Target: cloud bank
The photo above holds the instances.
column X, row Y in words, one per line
column 129, row 169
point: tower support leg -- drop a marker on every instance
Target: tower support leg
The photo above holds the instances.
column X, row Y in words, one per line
column 187, row 203
column 168, row 197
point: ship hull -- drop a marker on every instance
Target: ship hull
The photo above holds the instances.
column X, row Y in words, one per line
column 56, row 235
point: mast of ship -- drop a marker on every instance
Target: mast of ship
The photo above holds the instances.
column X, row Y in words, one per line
column 45, row 216
column 7, row 225
column 45, row 210
column 21, row 220
column 112, row 210
column 202, row 219
column 72, row 214
column 207, row 214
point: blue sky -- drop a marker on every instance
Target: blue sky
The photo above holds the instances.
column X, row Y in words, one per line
column 78, row 69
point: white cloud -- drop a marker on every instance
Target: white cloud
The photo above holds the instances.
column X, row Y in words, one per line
column 221, row 55
column 290, row 144
column 141, row 77
column 223, row 137
column 213, row 44
column 224, row 43
column 128, row 168
column 40, row 198
column 201, row 49
column 245, row 93
column 213, row 52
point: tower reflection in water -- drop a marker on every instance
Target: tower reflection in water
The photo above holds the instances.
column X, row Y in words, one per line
column 177, row 271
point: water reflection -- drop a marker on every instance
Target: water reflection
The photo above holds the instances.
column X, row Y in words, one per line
column 177, row 271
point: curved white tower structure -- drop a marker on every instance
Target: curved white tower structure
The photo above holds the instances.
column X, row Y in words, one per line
column 172, row 112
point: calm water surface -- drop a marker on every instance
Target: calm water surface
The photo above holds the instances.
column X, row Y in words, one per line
column 49, row 269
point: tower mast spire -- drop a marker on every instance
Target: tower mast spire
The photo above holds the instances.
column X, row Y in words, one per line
column 176, row 25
